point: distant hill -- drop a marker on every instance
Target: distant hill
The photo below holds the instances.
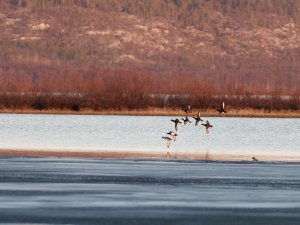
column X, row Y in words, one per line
column 253, row 45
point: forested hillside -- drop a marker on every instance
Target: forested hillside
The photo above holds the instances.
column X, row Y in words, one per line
column 195, row 47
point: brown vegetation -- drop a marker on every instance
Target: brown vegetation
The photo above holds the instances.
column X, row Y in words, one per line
column 121, row 89
column 106, row 55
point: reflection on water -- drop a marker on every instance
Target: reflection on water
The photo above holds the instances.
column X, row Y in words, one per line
column 142, row 133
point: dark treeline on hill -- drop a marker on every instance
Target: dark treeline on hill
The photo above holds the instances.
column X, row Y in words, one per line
column 117, row 54
column 183, row 12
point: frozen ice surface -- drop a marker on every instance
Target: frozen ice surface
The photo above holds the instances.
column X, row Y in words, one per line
column 115, row 191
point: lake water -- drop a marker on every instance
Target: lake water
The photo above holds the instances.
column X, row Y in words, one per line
column 144, row 133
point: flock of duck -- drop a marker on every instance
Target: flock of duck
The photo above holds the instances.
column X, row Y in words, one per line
column 197, row 118
column 186, row 120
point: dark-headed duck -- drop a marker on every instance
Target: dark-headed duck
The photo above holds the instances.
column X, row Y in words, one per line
column 207, row 126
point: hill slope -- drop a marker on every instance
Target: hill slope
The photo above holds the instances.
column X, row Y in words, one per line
column 233, row 44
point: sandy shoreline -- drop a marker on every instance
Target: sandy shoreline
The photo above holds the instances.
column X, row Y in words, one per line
column 144, row 155
column 163, row 112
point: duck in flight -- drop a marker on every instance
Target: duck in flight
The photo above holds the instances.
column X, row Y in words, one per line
column 186, row 120
column 222, row 109
column 168, row 140
column 197, row 118
column 207, row 126
column 176, row 121
column 187, row 110
column 173, row 134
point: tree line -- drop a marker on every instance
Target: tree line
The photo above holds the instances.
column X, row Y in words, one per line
column 182, row 12
column 125, row 89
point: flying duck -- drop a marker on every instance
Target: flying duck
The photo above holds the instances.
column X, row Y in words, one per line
column 222, row 109
column 186, row 120
column 173, row 134
column 207, row 126
column 168, row 140
column 187, row 110
column 197, row 118
column 176, row 121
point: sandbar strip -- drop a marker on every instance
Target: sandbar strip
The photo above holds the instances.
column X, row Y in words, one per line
column 163, row 112
column 144, row 155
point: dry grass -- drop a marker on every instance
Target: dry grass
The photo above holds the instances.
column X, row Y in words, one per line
column 164, row 112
